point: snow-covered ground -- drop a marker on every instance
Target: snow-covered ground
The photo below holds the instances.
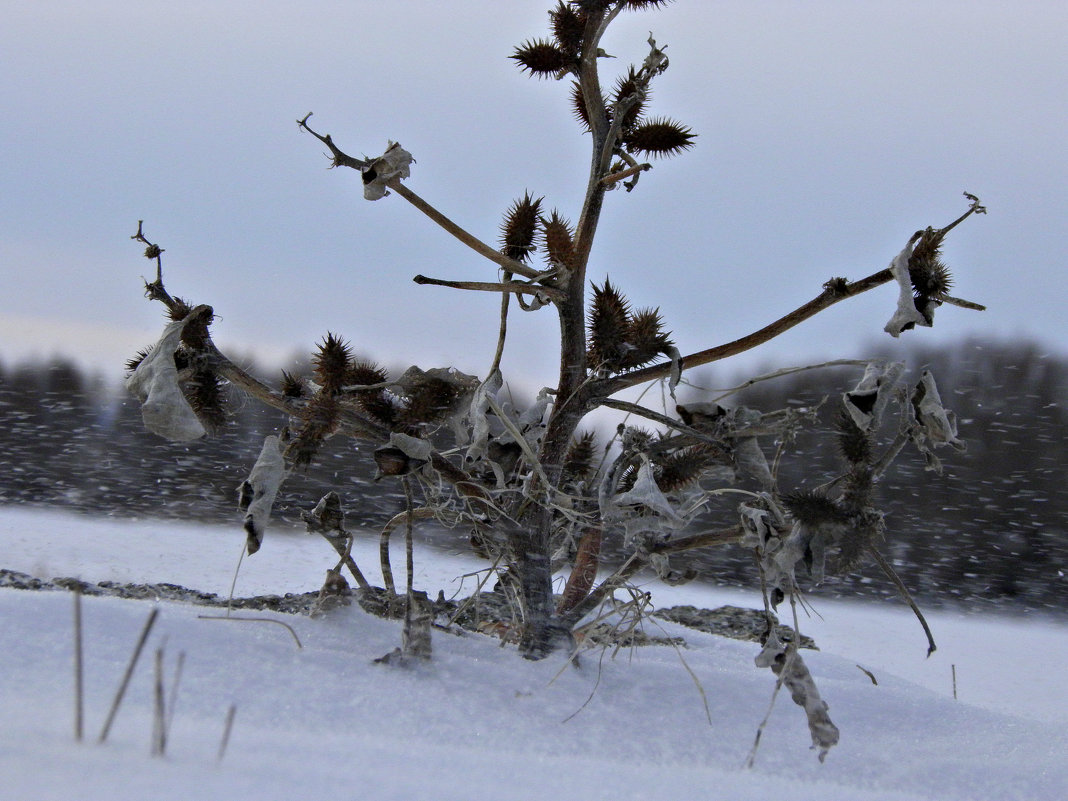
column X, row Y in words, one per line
column 478, row 721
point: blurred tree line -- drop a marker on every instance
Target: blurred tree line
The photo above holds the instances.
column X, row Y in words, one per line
column 992, row 529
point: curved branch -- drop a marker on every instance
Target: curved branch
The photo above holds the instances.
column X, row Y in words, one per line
column 342, row 159
column 468, row 239
column 829, row 297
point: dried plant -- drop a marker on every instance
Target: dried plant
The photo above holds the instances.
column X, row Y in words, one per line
column 535, row 494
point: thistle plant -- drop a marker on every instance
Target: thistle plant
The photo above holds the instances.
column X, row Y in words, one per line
column 539, row 495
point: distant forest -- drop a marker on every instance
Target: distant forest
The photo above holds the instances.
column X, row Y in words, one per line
column 992, row 530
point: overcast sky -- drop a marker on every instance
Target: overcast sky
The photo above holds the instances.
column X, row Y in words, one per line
column 828, row 133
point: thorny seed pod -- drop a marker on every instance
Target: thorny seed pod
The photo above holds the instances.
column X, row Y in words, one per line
column 609, row 326
column 578, row 463
column 153, row 252
column 559, row 241
column 180, row 310
column 856, row 446
column 541, row 58
column 429, row 401
column 591, row 6
column 681, row 468
column 812, row 508
column 929, row 276
column 292, row 386
column 578, row 106
column 520, row 227
column 331, row 363
column 568, row 28
column 626, row 86
column 319, row 419
column 659, row 137
column 205, row 396
column 365, row 373
column 865, row 529
column 140, row 356
column 376, row 402
column 647, row 338
column 858, row 489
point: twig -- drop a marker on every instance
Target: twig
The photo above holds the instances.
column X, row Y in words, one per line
column 472, row 599
column 724, row 393
column 159, row 711
column 342, row 159
column 821, row 302
column 173, row 698
column 502, row 332
column 904, row 592
column 633, row 564
column 243, row 619
column 128, row 674
column 79, row 684
column 707, row 539
column 830, row 296
column 596, row 683
column 791, row 654
column 383, row 542
column 227, row 728
column 869, row 674
column 953, row 668
column 892, row 451
column 466, row 238
column 409, row 549
column 615, row 177
column 657, row 417
column 495, row 286
column 961, row 304
column 233, row 582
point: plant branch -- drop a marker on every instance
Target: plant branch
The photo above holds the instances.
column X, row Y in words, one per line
column 657, row 417
column 615, row 177
column 830, row 296
column 468, row 239
column 904, row 592
column 498, row 286
column 342, row 159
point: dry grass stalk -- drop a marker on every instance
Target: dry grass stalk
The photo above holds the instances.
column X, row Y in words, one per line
column 128, row 674
column 79, row 673
column 228, row 727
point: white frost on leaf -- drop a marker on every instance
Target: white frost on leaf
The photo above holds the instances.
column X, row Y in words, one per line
column 395, row 163
column 164, row 408
column 530, row 421
column 939, row 423
column 477, row 416
column 412, row 447
column 751, row 461
column 787, row 664
column 906, row 315
column 867, row 400
column 645, row 492
column 675, row 375
column 258, row 491
column 932, row 424
column 761, row 522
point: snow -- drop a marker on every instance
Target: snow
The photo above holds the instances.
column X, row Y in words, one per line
column 478, row 721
